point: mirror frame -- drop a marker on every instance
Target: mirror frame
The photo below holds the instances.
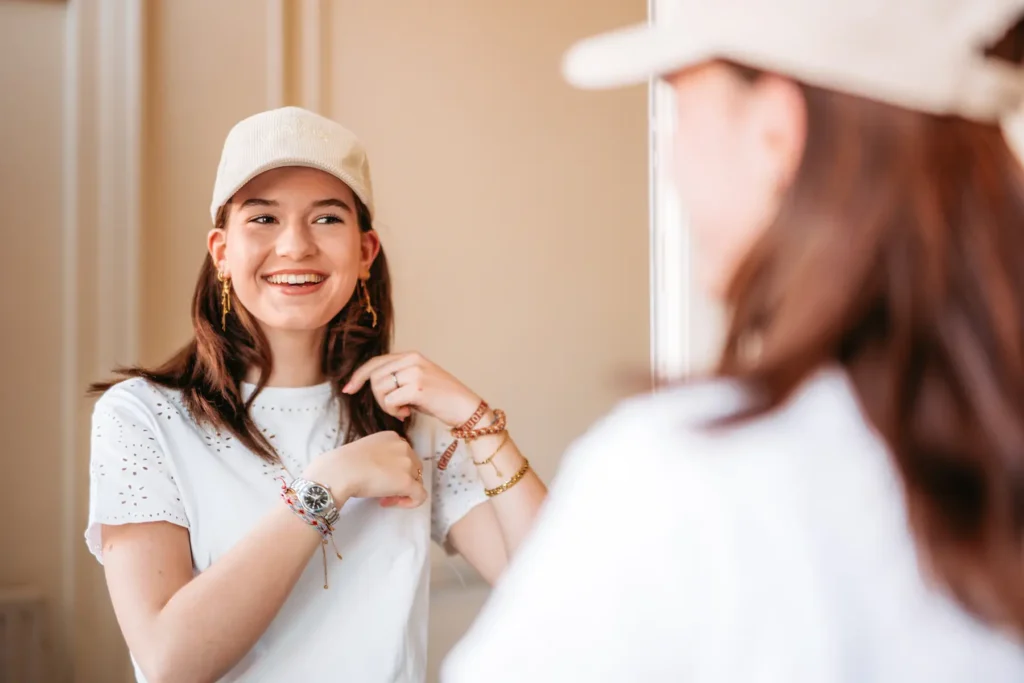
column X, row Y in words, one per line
column 686, row 326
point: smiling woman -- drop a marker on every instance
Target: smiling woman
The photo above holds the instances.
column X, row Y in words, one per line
column 297, row 232
column 285, row 427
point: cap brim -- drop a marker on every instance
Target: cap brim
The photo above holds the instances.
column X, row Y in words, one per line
column 295, row 162
column 629, row 56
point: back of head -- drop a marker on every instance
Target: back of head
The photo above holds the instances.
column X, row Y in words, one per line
column 895, row 248
column 909, row 224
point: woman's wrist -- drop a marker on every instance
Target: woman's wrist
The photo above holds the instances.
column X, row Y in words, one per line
column 340, row 485
column 307, row 531
column 297, row 497
column 468, row 404
column 492, row 450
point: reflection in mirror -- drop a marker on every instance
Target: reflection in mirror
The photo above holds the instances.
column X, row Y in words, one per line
column 508, row 271
column 286, row 428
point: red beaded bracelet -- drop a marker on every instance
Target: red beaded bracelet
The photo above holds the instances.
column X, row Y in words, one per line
column 467, row 431
column 291, row 499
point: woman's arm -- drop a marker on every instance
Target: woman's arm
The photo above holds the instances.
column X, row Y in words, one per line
column 181, row 628
column 510, row 514
column 489, row 534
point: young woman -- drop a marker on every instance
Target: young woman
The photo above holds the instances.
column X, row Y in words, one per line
column 845, row 503
column 228, row 483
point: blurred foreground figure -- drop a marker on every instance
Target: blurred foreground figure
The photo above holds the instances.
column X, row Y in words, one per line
column 844, row 501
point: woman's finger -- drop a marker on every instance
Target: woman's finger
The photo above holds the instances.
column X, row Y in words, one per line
column 364, row 371
column 399, row 367
column 382, row 389
column 417, row 496
column 404, row 395
column 413, row 497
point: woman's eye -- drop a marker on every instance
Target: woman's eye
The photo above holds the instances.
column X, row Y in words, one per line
column 328, row 220
column 263, row 220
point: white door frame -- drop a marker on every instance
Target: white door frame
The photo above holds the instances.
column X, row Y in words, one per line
column 686, row 327
column 102, row 167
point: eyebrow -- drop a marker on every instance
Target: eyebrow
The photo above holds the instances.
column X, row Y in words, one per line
column 258, row 202
column 319, row 204
column 337, row 203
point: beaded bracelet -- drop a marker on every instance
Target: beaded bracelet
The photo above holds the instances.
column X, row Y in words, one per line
column 473, row 420
column 468, row 432
column 326, row 530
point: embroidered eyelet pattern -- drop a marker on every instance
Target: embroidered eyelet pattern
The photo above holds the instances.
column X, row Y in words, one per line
column 129, row 472
column 457, row 490
column 133, row 479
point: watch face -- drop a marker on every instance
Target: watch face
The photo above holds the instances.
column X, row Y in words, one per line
column 316, row 499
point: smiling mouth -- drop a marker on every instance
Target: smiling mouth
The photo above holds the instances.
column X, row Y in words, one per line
column 295, row 279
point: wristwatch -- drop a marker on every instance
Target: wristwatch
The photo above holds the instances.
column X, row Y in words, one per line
column 316, row 499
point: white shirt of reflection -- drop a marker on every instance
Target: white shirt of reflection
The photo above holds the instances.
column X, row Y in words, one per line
column 775, row 551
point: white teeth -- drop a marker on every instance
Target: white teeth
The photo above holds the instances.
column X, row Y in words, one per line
column 295, row 279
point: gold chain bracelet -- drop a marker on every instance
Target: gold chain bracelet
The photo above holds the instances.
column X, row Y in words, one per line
column 511, row 482
column 490, row 460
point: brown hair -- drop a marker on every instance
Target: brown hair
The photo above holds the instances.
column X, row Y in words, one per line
column 912, row 227
column 209, row 370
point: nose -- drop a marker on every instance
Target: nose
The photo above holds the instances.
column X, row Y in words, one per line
column 295, row 241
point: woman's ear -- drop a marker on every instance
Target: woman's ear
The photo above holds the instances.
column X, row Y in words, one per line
column 216, row 244
column 369, row 248
column 782, row 112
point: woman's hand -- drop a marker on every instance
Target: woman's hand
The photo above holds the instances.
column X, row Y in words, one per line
column 402, row 382
column 382, row 465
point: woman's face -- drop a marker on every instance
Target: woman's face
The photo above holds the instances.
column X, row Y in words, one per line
column 293, row 248
column 737, row 146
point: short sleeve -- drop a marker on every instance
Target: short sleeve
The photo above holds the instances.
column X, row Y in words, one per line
column 456, row 490
column 130, row 477
column 610, row 586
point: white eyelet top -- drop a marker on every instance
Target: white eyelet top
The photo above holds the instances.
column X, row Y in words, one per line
column 150, row 461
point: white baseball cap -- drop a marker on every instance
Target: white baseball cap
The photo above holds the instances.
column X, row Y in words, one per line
column 920, row 54
column 290, row 136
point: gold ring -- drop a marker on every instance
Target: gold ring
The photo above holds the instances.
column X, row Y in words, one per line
column 419, row 474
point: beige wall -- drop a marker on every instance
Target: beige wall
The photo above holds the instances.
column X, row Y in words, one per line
column 30, row 362
column 204, row 71
column 513, row 210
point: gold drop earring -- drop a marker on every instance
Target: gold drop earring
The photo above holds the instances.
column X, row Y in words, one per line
column 367, row 304
column 225, row 299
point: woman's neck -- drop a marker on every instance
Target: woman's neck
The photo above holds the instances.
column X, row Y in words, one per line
column 297, row 360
